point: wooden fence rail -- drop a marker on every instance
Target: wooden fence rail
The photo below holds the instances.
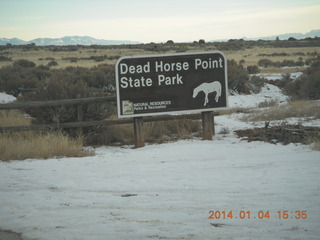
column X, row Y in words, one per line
column 99, row 123
column 207, row 117
column 63, row 102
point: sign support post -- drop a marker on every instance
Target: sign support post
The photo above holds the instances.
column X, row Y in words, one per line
column 138, row 132
column 207, row 125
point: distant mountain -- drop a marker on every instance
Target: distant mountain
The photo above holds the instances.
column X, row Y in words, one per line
column 68, row 40
column 85, row 40
column 311, row 34
column 13, row 41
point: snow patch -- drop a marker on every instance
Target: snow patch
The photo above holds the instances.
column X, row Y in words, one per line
column 5, row 98
column 268, row 93
column 296, row 75
column 277, row 76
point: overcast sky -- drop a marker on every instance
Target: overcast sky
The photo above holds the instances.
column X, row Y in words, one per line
column 156, row 20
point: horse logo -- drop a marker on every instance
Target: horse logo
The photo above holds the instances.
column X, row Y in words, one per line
column 208, row 88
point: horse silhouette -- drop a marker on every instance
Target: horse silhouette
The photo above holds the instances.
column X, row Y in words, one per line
column 208, row 88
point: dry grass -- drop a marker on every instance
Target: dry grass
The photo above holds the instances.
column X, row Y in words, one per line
column 315, row 145
column 154, row 132
column 301, row 109
column 250, row 55
column 13, row 118
column 163, row 131
column 20, row 146
column 314, row 142
column 23, row 145
column 39, row 56
column 235, row 110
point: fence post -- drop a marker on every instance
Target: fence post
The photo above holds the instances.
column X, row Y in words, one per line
column 207, row 125
column 79, row 116
column 138, row 132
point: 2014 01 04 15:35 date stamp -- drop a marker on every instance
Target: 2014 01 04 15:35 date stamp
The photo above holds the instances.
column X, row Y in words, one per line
column 282, row 214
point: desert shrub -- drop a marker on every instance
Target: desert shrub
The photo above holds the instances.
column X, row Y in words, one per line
column 96, row 77
column 14, row 77
column 57, row 89
column 237, row 77
column 255, row 84
column 300, row 63
column 5, row 59
column 253, row 69
column 310, row 88
column 285, row 63
column 40, row 73
column 286, row 78
column 308, row 85
column 292, row 89
column 268, row 63
column 9, row 80
column 273, row 54
column 52, row 63
column 24, row 63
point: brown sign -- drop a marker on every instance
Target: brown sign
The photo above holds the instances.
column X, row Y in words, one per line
column 171, row 83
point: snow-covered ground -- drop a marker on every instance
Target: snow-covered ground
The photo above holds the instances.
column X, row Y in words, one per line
column 167, row 191
column 278, row 76
column 268, row 93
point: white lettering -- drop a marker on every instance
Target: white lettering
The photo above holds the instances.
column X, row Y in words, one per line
column 124, row 83
column 208, row 64
column 124, row 68
column 175, row 80
column 132, row 69
column 169, row 67
column 159, row 66
column 129, row 82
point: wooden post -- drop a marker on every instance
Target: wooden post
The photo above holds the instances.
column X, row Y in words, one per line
column 207, row 125
column 138, row 132
column 213, row 128
column 79, row 116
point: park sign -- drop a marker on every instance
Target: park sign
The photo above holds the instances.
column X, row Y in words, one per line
column 171, row 84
